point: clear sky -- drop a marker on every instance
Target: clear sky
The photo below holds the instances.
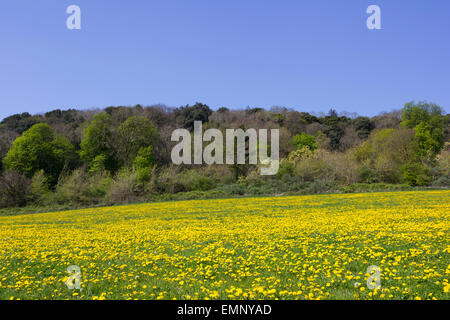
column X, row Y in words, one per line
column 309, row 55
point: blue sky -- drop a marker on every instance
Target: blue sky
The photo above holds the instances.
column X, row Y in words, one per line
column 309, row 55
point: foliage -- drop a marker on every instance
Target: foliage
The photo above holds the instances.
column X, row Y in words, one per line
column 38, row 148
column 14, row 188
column 82, row 188
column 20, row 123
column 416, row 174
column 305, row 140
column 363, row 126
column 428, row 123
column 124, row 188
column 384, row 153
column 443, row 160
column 125, row 153
column 136, row 135
column 144, row 164
column 98, row 145
column 39, row 189
column 189, row 114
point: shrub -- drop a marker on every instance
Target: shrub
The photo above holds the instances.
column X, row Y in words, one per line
column 144, row 164
column 40, row 193
column 310, row 167
column 82, row 188
column 368, row 174
column 442, row 181
column 443, row 160
column 327, row 166
column 232, row 189
column 305, row 140
column 287, row 168
column 382, row 156
column 14, row 188
column 170, row 180
column 196, row 181
column 124, row 188
column 221, row 174
column 416, row 174
column 340, row 167
column 98, row 164
column 318, row 186
column 167, row 180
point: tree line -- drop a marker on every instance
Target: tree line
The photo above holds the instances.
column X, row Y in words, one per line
column 122, row 154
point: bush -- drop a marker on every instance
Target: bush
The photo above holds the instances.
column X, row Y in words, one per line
column 221, row 174
column 196, row 181
column 318, row 186
column 443, row 160
column 310, row 169
column 442, row 181
column 340, row 167
column 166, row 180
column 416, row 174
column 14, row 188
column 368, row 174
column 384, row 153
column 326, row 166
column 169, row 180
column 40, row 193
column 124, row 188
column 287, row 168
column 82, row 188
column 144, row 164
column 232, row 189
column 305, row 140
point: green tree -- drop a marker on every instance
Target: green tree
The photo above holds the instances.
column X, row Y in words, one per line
column 429, row 124
column 305, row 140
column 98, row 147
column 135, row 133
column 144, row 163
column 416, row 174
column 384, row 153
column 363, row 127
column 334, row 128
column 429, row 141
column 189, row 114
column 21, row 122
column 413, row 114
column 144, row 158
column 39, row 149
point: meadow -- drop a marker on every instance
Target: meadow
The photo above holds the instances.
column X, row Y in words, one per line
column 297, row 247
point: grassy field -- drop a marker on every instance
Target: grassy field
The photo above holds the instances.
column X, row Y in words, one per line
column 303, row 247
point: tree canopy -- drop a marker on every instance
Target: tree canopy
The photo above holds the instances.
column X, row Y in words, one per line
column 40, row 149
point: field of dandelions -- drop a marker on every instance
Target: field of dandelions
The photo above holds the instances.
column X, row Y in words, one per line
column 299, row 247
